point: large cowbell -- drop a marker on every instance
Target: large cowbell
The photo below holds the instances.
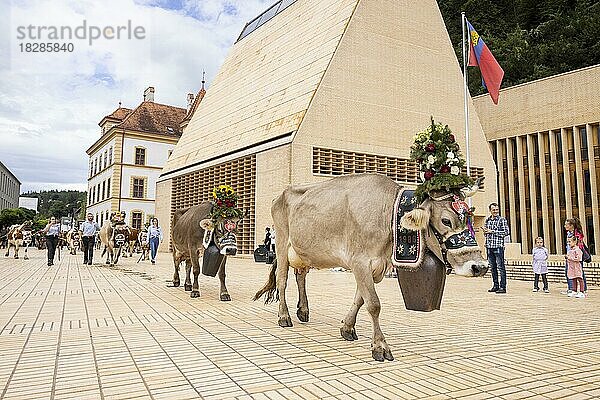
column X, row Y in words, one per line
column 212, row 258
column 422, row 289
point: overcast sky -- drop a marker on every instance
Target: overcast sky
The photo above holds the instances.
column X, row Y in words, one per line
column 51, row 103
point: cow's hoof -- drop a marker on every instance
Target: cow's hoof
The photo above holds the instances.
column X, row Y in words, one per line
column 188, row 288
column 381, row 354
column 302, row 314
column 349, row 334
column 387, row 354
column 377, row 354
column 285, row 322
column 25, row 258
column 16, row 257
column 225, row 297
column 176, row 283
column 107, row 263
column 194, row 294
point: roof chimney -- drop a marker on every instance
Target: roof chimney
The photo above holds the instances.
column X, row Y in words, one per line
column 190, row 100
column 149, row 94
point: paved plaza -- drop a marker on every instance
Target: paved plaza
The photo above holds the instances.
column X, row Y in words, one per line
column 94, row 332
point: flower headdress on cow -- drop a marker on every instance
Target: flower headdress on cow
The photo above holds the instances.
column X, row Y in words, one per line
column 225, row 202
column 441, row 164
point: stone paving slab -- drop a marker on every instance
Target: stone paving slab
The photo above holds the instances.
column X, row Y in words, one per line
column 74, row 331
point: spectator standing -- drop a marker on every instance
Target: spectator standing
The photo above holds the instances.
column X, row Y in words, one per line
column 574, row 269
column 52, row 230
column 540, row 264
column 273, row 238
column 573, row 228
column 89, row 229
column 496, row 229
column 155, row 236
column 267, row 241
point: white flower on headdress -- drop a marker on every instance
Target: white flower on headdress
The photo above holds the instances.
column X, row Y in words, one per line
column 450, row 155
column 431, row 159
column 455, row 170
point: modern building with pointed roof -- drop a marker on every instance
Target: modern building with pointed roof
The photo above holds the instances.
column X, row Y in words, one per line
column 126, row 160
column 318, row 88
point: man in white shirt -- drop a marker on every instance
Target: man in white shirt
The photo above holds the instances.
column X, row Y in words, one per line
column 88, row 233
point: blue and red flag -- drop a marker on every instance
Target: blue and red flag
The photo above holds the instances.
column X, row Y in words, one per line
column 481, row 56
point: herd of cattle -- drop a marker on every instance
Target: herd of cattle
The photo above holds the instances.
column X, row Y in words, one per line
column 343, row 222
column 125, row 240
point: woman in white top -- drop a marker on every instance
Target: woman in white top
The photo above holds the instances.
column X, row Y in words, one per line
column 154, row 238
column 52, row 230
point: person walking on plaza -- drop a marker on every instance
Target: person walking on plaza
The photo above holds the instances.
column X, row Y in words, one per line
column 496, row 229
column 574, row 270
column 88, row 233
column 154, row 238
column 273, row 238
column 573, row 228
column 540, row 264
column 52, row 230
column 267, row 240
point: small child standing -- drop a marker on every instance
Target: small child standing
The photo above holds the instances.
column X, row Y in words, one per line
column 574, row 270
column 540, row 264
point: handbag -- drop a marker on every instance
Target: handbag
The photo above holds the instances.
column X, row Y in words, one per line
column 586, row 257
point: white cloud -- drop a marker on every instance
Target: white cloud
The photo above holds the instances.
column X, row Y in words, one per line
column 51, row 103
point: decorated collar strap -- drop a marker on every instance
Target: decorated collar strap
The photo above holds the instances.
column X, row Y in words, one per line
column 460, row 240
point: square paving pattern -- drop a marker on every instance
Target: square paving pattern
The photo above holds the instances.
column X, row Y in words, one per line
column 95, row 332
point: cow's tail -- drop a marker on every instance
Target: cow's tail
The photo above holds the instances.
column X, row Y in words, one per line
column 270, row 287
column 104, row 251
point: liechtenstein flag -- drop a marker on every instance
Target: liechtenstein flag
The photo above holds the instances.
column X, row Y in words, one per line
column 481, row 56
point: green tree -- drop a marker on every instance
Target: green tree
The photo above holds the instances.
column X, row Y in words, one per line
column 11, row 216
column 531, row 39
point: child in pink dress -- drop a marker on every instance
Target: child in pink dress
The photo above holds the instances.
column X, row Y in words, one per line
column 574, row 270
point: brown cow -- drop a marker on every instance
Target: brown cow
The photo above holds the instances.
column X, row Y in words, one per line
column 73, row 240
column 113, row 234
column 142, row 240
column 17, row 236
column 191, row 228
column 346, row 222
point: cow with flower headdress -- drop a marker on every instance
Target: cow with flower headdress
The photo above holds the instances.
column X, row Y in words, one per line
column 369, row 224
column 208, row 230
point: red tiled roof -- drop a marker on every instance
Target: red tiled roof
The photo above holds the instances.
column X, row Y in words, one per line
column 120, row 113
column 155, row 118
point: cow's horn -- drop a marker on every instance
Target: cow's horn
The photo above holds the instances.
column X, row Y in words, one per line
column 471, row 190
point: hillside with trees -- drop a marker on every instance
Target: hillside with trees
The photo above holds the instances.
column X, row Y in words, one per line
column 58, row 203
column 531, row 39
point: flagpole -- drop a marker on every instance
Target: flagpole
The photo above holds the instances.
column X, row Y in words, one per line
column 465, row 43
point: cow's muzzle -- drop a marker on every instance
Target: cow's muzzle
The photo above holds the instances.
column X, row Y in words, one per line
column 228, row 244
column 229, row 251
column 472, row 268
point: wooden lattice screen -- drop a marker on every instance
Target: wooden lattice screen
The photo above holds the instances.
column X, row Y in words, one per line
column 193, row 188
column 332, row 162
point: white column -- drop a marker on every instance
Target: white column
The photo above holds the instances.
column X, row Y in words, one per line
column 590, row 133
column 544, row 187
column 531, row 161
column 501, row 177
column 511, row 190
column 564, row 134
column 580, row 188
column 558, row 224
column 522, row 204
